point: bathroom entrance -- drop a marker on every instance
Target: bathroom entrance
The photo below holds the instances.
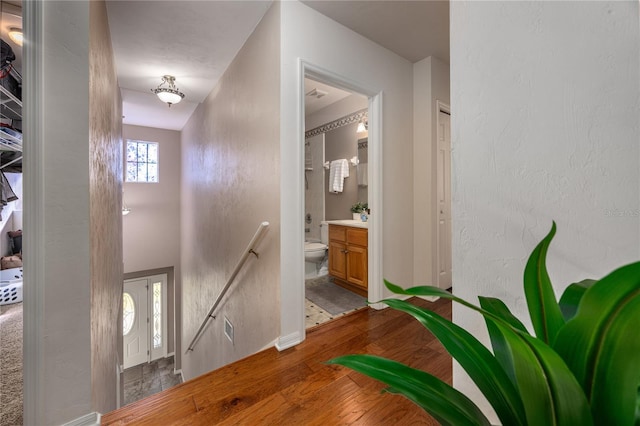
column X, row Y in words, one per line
column 336, row 201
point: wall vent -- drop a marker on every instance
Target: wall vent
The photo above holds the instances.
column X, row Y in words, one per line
column 228, row 329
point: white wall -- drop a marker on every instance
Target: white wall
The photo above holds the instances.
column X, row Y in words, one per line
column 343, row 107
column 309, row 36
column 58, row 386
column 151, row 232
column 430, row 84
column 544, row 127
column 230, row 184
column 72, row 188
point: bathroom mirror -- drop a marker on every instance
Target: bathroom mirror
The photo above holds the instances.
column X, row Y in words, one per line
column 362, row 169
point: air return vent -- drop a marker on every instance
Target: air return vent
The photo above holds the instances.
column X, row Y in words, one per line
column 228, row 329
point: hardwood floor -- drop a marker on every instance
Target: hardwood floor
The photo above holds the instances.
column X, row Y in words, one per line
column 295, row 387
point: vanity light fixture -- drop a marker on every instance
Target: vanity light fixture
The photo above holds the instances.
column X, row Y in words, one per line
column 362, row 126
column 15, row 34
column 169, row 93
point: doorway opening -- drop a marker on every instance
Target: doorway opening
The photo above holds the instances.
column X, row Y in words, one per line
column 148, row 368
column 336, row 201
column 443, row 250
column 352, row 258
column 144, row 317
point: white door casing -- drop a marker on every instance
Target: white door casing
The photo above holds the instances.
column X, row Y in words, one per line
column 443, row 182
column 136, row 339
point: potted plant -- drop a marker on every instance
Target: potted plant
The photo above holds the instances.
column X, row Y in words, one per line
column 580, row 367
column 358, row 208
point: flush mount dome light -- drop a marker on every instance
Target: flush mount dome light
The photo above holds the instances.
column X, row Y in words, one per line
column 15, row 34
column 170, row 93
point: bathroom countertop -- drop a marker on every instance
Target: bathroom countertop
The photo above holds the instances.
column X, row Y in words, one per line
column 349, row 222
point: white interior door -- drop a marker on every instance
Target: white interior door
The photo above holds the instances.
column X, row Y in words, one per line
column 135, row 323
column 444, row 200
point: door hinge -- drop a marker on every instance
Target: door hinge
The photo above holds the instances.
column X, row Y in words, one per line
column 147, row 352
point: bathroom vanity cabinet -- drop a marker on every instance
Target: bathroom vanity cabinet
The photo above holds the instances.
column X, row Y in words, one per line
column 348, row 257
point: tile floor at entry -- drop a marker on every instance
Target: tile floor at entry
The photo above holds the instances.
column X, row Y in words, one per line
column 144, row 380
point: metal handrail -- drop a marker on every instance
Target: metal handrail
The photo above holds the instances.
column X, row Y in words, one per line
column 250, row 250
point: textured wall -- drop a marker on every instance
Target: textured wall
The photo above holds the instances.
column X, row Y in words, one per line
column 544, row 127
column 105, row 177
column 151, row 233
column 230, row 184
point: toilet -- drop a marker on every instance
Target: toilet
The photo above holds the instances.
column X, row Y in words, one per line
column 315, row 253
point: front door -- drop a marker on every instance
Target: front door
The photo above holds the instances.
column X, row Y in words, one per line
column 135, row 323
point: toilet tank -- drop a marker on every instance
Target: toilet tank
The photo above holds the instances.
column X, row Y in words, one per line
column 324, row 232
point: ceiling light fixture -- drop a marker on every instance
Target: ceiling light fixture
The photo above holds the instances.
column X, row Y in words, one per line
column 15, row 34
column 170, row 93
column 125, row 209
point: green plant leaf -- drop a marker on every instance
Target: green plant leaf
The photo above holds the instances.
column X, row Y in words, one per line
column 498, row 341
column 547, row 388
column 447, row 405
column 475, row 358
column 543, row 308
column 571, row 297
column 499, row 309
column 570, row 404
column 637, row 422
column 617, row 375
column 600, row 344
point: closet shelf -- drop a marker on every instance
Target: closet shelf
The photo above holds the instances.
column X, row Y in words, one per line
column 10, row 106
column 10, row 139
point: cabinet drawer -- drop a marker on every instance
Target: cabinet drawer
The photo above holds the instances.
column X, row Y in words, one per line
column 357, row 236
column 337, row 233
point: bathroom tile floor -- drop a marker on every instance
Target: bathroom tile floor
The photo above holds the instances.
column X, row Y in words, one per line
column 144, row 380
column 315, row 315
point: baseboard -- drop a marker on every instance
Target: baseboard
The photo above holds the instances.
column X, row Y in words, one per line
column 91, row 419
column 180, row 373
column 286, row 342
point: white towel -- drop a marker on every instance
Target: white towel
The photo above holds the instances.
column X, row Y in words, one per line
column 308, row 160
column 363, row 174
column 338, row 171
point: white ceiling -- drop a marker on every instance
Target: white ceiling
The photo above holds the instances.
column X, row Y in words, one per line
column 323, row 96
column 412, row 29
column 196, row 41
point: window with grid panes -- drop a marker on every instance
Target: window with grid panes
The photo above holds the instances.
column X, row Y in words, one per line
column 142, row 161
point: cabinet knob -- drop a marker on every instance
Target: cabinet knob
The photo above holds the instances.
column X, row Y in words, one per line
column 345, row 251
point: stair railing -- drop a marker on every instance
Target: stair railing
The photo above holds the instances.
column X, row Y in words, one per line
column 249, row 250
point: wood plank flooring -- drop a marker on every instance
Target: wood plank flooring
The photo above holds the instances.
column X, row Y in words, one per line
column 295, row 387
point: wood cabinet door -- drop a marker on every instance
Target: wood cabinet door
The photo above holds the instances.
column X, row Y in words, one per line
column 337, row 259
column 357, row 266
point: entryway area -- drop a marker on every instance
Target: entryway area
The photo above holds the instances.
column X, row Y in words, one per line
column 147, row 379
column 148, row 368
